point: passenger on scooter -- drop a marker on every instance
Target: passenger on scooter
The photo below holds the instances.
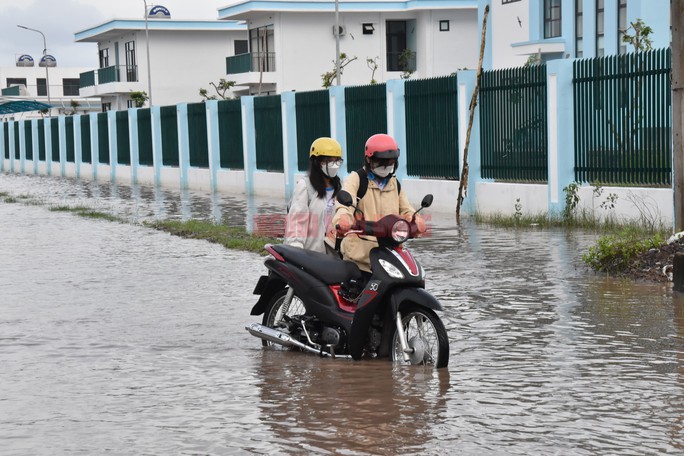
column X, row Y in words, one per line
column 383, row 196
column 308, row 223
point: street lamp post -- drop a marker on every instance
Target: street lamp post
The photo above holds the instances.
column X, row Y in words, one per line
column 47, row 76
column 149, row 68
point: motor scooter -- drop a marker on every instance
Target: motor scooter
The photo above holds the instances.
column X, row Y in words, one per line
column 320, row 304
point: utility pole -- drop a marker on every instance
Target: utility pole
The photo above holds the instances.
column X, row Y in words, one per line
column 677, row 22
column 147, row 44
column 337, row 43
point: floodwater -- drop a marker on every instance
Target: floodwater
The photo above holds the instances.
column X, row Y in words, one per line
column 117, row 339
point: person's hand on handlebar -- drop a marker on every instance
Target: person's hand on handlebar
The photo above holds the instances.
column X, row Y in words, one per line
column 343, row 224
column 419, row 221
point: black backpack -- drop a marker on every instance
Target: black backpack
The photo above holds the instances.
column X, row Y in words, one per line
column 363, row 183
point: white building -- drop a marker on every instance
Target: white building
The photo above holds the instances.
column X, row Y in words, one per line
column 559, row 29
column 184, row 56
column 27, row 81
column 293, row 43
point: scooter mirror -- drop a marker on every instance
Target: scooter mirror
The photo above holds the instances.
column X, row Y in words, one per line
column 344, row 198
column 427, row 201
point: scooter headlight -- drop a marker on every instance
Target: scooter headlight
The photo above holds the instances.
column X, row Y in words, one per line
column 391, row 269
column 401, row 230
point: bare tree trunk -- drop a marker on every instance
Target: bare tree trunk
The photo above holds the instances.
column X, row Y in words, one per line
column 677, row 21
column 463, row 184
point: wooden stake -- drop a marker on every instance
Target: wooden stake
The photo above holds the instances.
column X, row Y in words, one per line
column 463, row 185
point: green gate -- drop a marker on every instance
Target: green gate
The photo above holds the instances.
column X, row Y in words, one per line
column 123, row 146
column 28, row 139
column 69, row 136
column 432, row 128
column 513, row 125
column 41, row 140
column 313, row 121
column 268, row 127
column 17, row 154
column 169, row 132
column 230, row 134
column 197, row 132
column 623, row 119
column 365, row 115
column 5, row 127
column 54, row 137
column 102, row 138
column 145, row 157
column 86, row 148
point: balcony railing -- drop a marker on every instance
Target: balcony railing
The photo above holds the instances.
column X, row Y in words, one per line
column 13, row 91
column 252, row 61
column 115, row 73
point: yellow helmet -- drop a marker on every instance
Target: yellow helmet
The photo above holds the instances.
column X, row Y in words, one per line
column 325, row 146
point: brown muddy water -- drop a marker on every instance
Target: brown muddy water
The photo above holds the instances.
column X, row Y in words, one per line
column 116, row 339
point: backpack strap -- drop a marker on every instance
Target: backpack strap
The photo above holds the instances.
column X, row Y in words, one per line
column 363, row 183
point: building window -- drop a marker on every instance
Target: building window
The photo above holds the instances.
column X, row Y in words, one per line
column 70, row 87
column 552, row 18
column 622, row 26
column 131, row 65
column 579, row 29
column 443, row 26
column 41, row 87
column 241, row 47
column 16, row 81
column 106, row 107
column 104, row 58
column 399, row 56
column 600, row 32
column 262, row 45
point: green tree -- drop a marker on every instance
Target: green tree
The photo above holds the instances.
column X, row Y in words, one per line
column 139, row 98
column 329, row 77
column 221, row 88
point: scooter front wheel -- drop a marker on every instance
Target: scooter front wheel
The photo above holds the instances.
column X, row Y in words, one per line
column 276, row 310
column 426, row 336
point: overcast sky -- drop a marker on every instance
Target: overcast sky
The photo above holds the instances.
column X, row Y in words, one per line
column 59, row 20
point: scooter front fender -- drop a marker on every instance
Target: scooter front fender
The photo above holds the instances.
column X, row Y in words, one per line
column 273, row 284
column 413, row 295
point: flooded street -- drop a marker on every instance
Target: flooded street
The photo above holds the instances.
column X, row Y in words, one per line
column 118, row 339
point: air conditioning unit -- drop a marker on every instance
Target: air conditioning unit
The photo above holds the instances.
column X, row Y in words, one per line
column 341, row 30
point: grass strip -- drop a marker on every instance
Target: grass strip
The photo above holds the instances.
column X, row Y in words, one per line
column 231, row 237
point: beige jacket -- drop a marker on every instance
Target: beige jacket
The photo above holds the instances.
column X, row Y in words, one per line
column 305, row 224
column 375, row 204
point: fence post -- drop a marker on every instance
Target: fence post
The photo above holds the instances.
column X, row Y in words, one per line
column 561, row 138
column 396, row 120
column 94, row 143
column 133, row 143
column 183, row 143
column 78, row 147
column 213, row 142
column 288, row 106
column 12, row 152
column 36, row 145
column 248, row 142
column 2, row 146
column 61, row 125
column 157, row 160
column 22, row 146
column 338, row 123
column 466, row 85
column 113, row 145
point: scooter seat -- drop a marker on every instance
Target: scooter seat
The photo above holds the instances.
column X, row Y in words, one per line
column 324, row 267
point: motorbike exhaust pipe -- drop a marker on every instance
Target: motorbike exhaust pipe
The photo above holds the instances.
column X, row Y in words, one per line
column 279, row 337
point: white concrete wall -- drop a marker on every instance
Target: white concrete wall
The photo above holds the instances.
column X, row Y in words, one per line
column 506, row 31
column 647, row 204
column 501, row 198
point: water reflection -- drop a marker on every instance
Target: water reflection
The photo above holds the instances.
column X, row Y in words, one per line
column 363, row 408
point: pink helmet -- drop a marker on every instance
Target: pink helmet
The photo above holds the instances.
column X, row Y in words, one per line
column 382, row 146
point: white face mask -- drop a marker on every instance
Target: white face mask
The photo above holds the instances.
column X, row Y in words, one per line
column 383, row 171
column 330, row 169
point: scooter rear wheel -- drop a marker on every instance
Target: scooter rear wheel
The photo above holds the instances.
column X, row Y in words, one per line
column 275, row 312
column 425, row 334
